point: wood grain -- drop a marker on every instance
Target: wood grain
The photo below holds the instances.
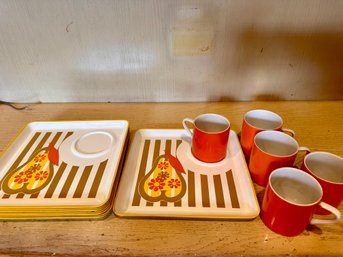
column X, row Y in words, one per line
column 318, row 125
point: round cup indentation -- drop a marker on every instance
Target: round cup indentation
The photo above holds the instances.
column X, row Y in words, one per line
column 94, row 142
column 189, row 162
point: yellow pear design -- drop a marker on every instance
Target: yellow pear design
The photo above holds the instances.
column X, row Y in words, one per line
column 34, row 174
column 164, row 182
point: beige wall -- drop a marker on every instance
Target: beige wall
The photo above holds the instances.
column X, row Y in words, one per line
column 144, row 50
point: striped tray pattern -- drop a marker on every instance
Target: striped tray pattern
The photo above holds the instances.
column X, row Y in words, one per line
column 202, row 190
column 85, row 186
column 68, row 181
column 223, row 193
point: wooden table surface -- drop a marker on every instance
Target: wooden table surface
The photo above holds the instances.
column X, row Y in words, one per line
column 318, row 125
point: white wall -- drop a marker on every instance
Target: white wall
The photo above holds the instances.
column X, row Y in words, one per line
column 144, row 50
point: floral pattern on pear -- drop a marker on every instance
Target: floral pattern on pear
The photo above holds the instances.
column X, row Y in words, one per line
column 156, row 184
column 174, row 183
column 41, row 175
column 23, row 177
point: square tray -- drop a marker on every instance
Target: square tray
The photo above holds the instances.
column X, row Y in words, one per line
column 69, row 164
column 152, row 184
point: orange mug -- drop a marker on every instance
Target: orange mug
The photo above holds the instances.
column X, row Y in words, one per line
column 256, row 121
column 290, row 200
column 272, row 150
column 327, row 169
column 210, row 136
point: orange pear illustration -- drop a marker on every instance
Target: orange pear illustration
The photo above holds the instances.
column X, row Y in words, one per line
column 34, row 174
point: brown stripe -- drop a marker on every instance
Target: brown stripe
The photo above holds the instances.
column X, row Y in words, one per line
column 68, row 135
column 163, row 203
column 58, row 174
column 219, row 191
column 34, row 195
column 69, row 181
column 168, row 145
column 232, row 189
column 178, row 142
column 96, row 183
column 41, row 143
column 156, row 150
column 22, row 155
column 178, row 203
column 55, row 180
column 191, row 189
column 82, row 183
column 167, row 148
column 141, row 173
column 20, row 195
column 56, row 137
column 156, row 154
column 204, row 191
column 24, row 152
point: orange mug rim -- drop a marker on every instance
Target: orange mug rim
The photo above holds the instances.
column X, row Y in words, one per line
column 212, row 114
column 274, row 155
column 262, row 129
column 315, row 175
column 299, row 172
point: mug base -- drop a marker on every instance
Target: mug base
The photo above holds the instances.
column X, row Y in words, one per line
column 207, row 160
column 282, row 232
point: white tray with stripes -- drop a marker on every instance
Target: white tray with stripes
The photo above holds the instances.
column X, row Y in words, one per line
column 71, row 164
column 161, row 178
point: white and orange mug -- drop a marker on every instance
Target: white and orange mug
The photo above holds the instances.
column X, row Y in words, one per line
column 256, row 121
column 210, row 136
column 272, row 150
column 290, row 200
column 327, row 169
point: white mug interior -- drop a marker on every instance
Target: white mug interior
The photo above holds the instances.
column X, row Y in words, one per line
column 263, row 119
column 276, row 143
column 211, row 123
column 295, row 186
column 326, row 166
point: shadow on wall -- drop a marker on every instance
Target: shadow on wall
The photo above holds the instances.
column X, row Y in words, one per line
column 265, row 66
column 301, row 66
column 260, row 97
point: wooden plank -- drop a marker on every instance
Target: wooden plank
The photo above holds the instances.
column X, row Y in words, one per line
column 319, row 126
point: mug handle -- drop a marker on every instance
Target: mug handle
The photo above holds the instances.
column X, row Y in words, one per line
column 300, row 160
column 184, row 123
column 288, row 131
column 331, row 209
column 305, row 149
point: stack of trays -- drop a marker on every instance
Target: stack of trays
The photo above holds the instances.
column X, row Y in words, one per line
column 62, row 170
